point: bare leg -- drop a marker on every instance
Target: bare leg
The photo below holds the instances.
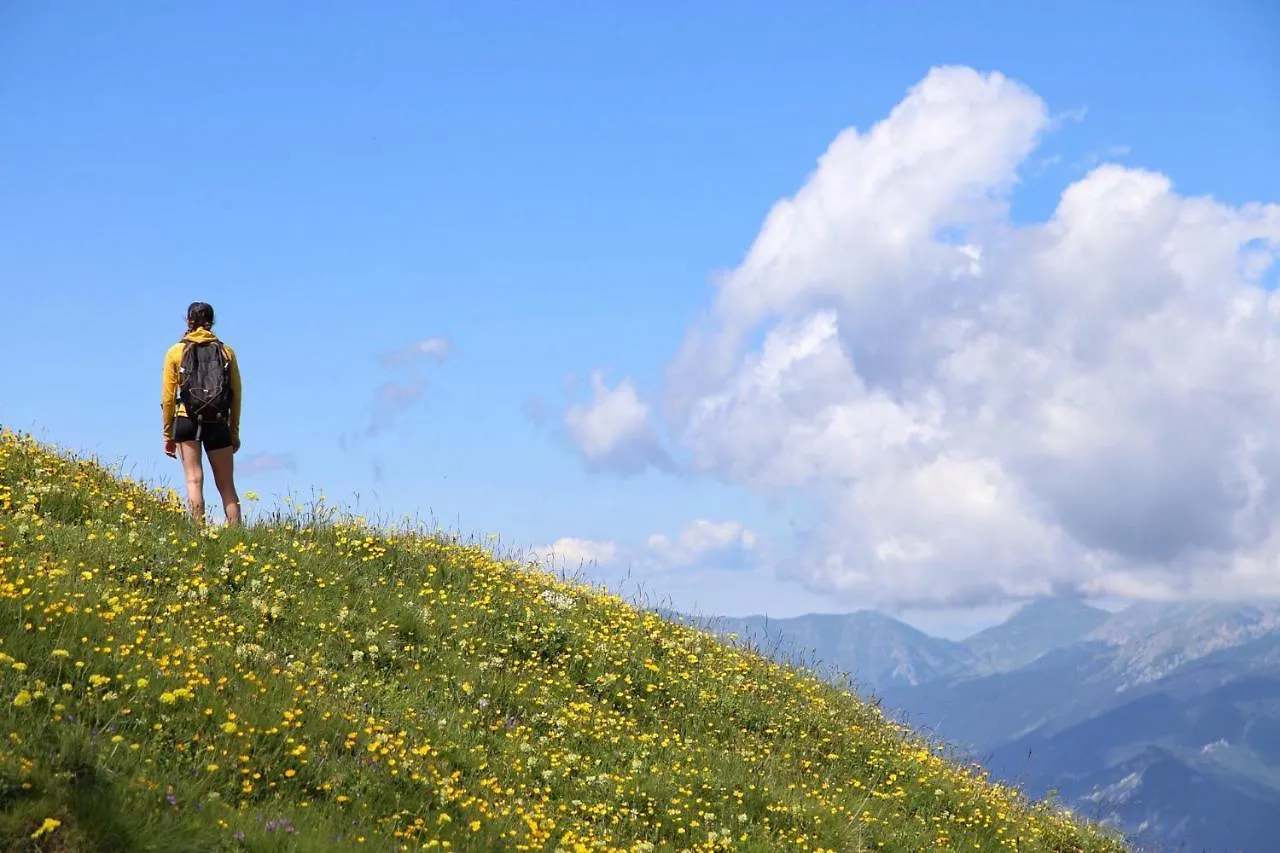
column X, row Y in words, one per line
column 189, row 452
column 223, row 464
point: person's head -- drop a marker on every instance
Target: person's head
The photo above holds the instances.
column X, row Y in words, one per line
column 199, row 315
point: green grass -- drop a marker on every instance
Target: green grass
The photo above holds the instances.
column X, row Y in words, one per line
column 314, row 684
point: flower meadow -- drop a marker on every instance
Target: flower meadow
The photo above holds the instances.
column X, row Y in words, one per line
column 310, row 682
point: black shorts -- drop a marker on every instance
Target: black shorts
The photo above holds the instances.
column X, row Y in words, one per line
column 214, row 436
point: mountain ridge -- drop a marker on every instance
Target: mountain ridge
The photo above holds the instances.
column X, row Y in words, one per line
column 1034, row 629
column 871, row 648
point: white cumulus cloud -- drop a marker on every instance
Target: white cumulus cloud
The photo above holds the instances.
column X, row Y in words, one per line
column 700, row 540
column 700, row 545
column 978, row 409
column 572, row 553
column 614, row 430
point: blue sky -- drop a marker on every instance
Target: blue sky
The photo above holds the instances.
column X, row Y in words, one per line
column 550, row 187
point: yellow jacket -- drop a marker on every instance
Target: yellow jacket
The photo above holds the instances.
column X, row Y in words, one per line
column 171, row 407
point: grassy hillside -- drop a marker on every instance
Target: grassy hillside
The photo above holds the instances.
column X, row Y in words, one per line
column 310, row 684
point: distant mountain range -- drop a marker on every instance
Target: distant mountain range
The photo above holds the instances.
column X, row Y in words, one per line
column 1161, row 719
column 874, row 649
column 1032, row 631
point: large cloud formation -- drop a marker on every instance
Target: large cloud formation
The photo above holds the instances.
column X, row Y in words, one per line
column 980, row 410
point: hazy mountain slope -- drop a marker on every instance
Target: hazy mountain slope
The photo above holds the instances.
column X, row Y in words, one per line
column 1153, row 640
column 1148, row 767
column 875, row 650
column 1172, row 802
column 1033, row 630
column 981, row 712
column 1192, row 756
column 1109, row 666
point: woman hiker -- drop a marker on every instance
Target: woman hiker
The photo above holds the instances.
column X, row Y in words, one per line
column 200, row 402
